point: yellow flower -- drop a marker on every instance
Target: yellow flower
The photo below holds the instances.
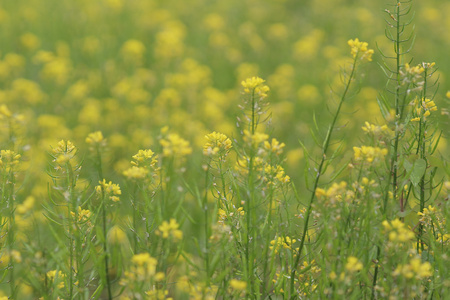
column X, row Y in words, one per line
column 95, row 138
column 238, row 285
column 255, row 86
column 217, row 143
column 275, row 146
column 109, row 189
column 397, row 232
column 358, row 48
column 135, row 173
column 174, row 146
column 353, row 264
column 415, row 269
column 56, row 277
column 369, row 154
column 167, row 229
column 133, row 51
column 145, row 158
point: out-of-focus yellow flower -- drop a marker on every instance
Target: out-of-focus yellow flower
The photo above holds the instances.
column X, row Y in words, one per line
column 397, row 231
column 174, row 146
column 238, row 285
column 170, row 229
column 30, row 41
column 369, row 154
column 133, row 51
column 414, row 269
column 116, row 236
column 353, row 264
column 135, row 173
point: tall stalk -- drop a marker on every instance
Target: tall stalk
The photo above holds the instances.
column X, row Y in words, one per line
column 326, row 145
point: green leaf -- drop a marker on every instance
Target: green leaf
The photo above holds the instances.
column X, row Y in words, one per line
column 415, row 170
column 418, row 171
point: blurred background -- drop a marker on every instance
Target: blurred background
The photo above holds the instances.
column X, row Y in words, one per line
column 129, row 68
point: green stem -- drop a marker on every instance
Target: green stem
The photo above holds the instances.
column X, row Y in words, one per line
column 318, row 175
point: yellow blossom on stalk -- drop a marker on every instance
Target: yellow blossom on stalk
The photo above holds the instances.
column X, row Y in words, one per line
column 110, row 190
column 174, row 146
column 423, row 109
column 135, row 173
column 217, row 143
column 281, row 242
column 358, row 48
column 276, row 172
column 397, row 231
column 96, row 139
column 275, row 146
column 145, row 158
column 64, row 147
column 83, row 214
column 56, row 277
column 376, row 129
column 9, row 158
column 238, row 285
column 369, row 154
column 167, row 229
column 415, row 269
column 255, row 86
column 353, row 264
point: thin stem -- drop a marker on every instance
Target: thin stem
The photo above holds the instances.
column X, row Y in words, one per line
column 318, row 175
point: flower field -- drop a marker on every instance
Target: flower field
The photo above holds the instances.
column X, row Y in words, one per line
column 272, row 149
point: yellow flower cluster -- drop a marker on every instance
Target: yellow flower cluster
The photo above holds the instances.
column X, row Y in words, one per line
column 423, row 109
column 64, row 152
column 274, row 147
column 376, row 129
column 96, row 140
column 217, row 143
column 9, row 158
column 83, row 215
column 143, row 162
column 57, row 277
column 397, row 231
column 255, row 86
column 170, row 229
column 135, row 173
column 277, row 173
column 142, row 269
column 174, row 146
column 109, row 189
column 369, row 154
column 335, row 193
column 360, row 48
column 145, row 158
column 281, row 242
column 414, row 269
column 353, row 264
